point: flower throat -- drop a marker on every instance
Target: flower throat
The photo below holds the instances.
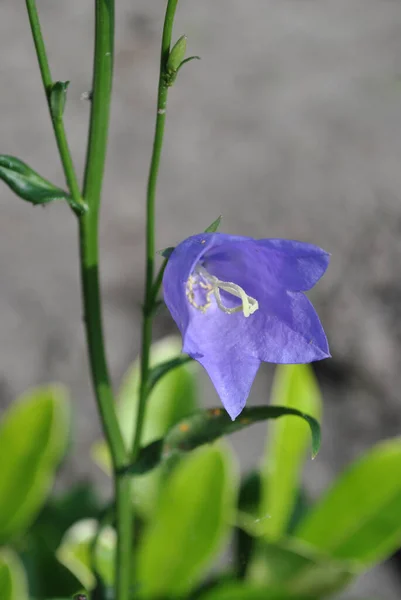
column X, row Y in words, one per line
column 202, row 279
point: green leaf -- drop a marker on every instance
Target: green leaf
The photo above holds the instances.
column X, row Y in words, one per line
column 57, row 98
column 33, row 437
column 216, row 224
column 296, row 569
column 172, row 398
column 31, row 186
column 75, row 552
column 165, row 367
column 246, row 591
column 13, row 581
column 248, row 504
column 48, row 578
column 190, row 524
column 359, row 518
column 209, row 425
column 295, row 387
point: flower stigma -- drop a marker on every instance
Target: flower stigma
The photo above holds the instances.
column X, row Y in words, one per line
column 201, row 279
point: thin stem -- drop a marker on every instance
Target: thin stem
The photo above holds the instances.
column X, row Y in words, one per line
column 58, row 124
column 95, row 164
column 158, row 281
column 150, row 222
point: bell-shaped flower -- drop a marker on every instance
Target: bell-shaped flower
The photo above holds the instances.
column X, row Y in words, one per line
column 239, row 301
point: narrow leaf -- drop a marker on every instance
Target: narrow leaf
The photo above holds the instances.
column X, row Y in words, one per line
column 359, row 518
column 206, row 426
column 216, row 224
column 165, row 367
column 190, row 524
column 31, row 186
column 295, row 387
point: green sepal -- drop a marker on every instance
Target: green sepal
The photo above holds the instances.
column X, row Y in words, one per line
column 213, row 227
column 31, row 186
column 207, row 426
column 57, row 98
column 166, row 252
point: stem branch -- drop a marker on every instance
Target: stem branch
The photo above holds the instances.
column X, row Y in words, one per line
column 150, row 223
column 58, row 124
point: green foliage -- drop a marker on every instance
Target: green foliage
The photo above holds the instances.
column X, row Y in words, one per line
column 294, row 387
column 246, row 591
column 31, row 186
column 13, row 583
column 48, row 578
column 189, row 526
column 296, row 570
column 86, row 550
column 207, row 426
column 33, row 437
column 359, row 518
column 173, row 397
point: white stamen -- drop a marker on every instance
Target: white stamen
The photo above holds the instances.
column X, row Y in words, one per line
column 248, row 304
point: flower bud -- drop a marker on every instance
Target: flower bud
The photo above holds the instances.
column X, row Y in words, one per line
column 176, row 55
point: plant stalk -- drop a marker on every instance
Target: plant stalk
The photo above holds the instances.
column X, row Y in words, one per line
column 89, row 246
column 149, row 299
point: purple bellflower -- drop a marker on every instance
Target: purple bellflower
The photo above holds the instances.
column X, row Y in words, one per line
column 238, row 301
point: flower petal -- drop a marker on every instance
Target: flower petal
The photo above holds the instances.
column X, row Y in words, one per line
column 179, row 267
column 288, row 330
column 285, row 329
column 232, row 374
column 296, row 266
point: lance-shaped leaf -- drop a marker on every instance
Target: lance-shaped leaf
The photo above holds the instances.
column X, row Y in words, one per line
column 359, row 518
column 31, row 186
column 206, row 426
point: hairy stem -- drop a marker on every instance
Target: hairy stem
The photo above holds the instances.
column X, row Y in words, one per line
column 95, row 164
column 150, row 223
column 58, row 124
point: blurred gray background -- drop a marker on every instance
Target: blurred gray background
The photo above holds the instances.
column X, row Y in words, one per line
column 289, row 126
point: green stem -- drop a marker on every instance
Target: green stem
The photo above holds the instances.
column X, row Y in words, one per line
column 95, row 164
column 150, row 223
column 58, row 124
